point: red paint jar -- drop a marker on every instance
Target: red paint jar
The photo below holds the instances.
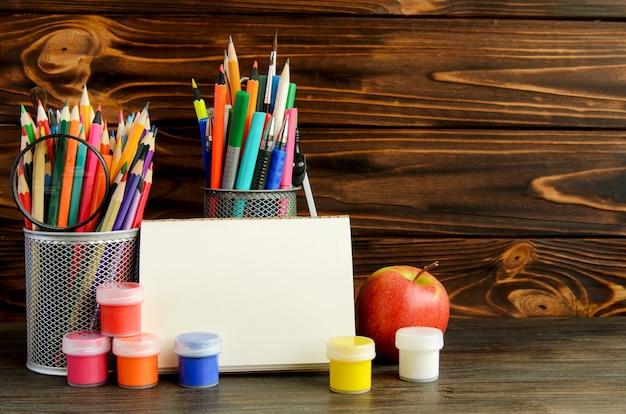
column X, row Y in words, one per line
column 86, row 353
column 120, row 308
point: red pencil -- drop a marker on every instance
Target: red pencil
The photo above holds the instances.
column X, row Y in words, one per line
column 147, row 185
column 24, row 195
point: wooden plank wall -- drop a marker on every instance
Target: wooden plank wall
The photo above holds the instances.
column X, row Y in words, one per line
column 486, row 135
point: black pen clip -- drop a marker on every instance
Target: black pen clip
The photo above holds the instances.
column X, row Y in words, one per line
column 299, row 163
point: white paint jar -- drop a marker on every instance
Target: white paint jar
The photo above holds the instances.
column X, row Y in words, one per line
column 419, row 348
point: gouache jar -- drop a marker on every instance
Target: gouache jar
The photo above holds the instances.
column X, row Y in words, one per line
column 419, row 353
column 120, row 308
column 197, row 359
column 350, row 364
column 86, row 353
column 137, row 360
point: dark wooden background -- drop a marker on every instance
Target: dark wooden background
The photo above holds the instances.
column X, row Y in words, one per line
column 486, row 135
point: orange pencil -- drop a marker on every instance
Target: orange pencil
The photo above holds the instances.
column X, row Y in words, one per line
column 217, row 155
column 105, row 140
column 68, row 171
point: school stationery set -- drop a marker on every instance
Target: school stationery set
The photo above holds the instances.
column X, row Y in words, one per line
column 249, row 135
column 82, row 187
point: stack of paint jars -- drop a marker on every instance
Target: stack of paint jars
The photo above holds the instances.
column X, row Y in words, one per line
column 120, row 318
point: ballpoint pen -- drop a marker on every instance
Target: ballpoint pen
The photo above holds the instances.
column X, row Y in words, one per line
column 264, row 158
column 275, row 173
column 282, row 91
column 271, row 71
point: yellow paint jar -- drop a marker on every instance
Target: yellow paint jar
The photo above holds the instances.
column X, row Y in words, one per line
column 350, row 364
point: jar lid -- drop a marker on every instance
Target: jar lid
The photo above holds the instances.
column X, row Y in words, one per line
column 141, row 345
column 419, row 338
column 350, row 348
column 197, row 344
column 85, row 343
column 119, row 294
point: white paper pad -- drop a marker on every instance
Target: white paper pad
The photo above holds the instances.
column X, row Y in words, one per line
column 275, row 290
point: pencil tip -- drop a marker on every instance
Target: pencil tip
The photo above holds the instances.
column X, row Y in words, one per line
column 193, row 83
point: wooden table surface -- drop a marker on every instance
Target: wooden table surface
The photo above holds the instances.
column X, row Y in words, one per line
column 534, row 365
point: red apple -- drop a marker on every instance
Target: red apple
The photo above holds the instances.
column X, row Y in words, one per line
column 395, row 297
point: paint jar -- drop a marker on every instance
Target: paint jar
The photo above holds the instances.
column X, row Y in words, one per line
column 120, row 308
column 197, row 359
column 137, row 360
column 86, row 353
column 350, row 364
column 419, row 353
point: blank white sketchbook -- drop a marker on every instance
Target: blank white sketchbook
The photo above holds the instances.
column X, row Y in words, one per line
column 275, row 290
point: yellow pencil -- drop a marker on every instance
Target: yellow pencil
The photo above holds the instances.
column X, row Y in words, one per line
column 38, row 189
column 114, row 205
column 136, row 131
column 234, row 77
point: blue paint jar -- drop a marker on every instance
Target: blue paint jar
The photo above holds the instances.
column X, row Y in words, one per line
column 197, row 359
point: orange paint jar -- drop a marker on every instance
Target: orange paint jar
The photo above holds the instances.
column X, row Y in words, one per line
column 137, row 360
column 120, row 308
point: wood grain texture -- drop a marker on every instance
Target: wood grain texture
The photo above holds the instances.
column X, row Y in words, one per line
column 415, row 196
column 487, row 135
column 557, row 9
column 488, row 365
column 442, row 73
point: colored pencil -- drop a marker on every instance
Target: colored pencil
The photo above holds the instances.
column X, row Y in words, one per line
column 147, row 185
column 38, row 186
column 234, row 77
column 68, row 169
column 24, row 196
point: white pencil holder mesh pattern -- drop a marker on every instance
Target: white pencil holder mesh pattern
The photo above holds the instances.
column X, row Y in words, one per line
column 63, row 271
column 250, row 203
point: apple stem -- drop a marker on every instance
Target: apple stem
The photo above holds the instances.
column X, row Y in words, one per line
column 427, row 269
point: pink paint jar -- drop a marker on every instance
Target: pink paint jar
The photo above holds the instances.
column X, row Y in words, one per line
column 137, row 360
column 86, row 353
column 120, row 308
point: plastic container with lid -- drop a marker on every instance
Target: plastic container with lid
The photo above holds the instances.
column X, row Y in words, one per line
column 419, row 353
column 350, row 364
column 198, row 359
column 137, row 360
column 120, row 308
column 86, row 353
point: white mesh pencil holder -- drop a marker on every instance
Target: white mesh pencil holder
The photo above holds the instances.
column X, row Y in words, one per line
column 63, row 270
column 250, row 203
